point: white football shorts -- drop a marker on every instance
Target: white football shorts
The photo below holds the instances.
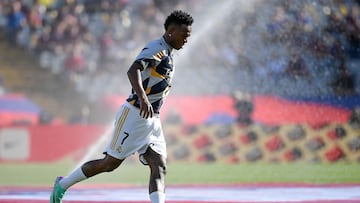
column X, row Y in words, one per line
column 133, row 133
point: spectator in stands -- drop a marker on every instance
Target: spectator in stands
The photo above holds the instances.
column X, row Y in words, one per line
column 344, row 83
column 58, row 36
column 278, row 25
column 44, row 41
column 73, row 34
column 244, row 105
column 75, row 62
column 352, row 20
column 2, row 16
column 297, row 68
column 34, row 17
column 15, row 22
column 46, row 3
column 337, row 52
column 277, row 65
column 354, row 120
column 106, row 43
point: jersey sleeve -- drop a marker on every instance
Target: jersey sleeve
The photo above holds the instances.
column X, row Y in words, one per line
column 150, row 57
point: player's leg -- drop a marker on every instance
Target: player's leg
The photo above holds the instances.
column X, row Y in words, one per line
column 157, row 166
column 119, row 147
column 88, row 169
column 91, row 168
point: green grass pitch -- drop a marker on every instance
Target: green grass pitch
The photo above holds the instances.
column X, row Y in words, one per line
column 17, row 174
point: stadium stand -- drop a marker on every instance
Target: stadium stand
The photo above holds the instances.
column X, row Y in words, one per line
column 253, row 144
column 64, row 33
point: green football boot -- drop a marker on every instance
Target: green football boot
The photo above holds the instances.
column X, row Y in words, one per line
column 57, row 192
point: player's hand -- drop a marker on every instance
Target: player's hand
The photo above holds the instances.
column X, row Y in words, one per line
column 146, row 110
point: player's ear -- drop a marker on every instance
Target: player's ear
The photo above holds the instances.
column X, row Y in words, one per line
column 171, row 29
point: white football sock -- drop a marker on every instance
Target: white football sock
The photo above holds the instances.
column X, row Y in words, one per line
column 75, row 177
column 157, row 197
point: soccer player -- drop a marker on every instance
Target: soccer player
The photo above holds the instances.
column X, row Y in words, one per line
column 137, row 126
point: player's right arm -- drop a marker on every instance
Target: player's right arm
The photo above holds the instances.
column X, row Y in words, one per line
column 134, row 75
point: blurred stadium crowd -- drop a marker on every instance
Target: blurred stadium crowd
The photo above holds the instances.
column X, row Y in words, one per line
column 303, row 48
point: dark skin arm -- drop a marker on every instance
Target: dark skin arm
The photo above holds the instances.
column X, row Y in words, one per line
column 134, row 76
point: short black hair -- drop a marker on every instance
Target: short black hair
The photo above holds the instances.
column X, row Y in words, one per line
column 178, row 17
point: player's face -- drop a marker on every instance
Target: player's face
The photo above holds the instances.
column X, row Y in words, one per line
column 179, row 36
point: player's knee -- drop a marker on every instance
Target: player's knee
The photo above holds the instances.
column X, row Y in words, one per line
column 162, row 169
column 158, row 169
column 110, row 164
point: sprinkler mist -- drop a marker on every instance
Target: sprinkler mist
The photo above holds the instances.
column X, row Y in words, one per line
column 210, row 20
column 94, row 149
